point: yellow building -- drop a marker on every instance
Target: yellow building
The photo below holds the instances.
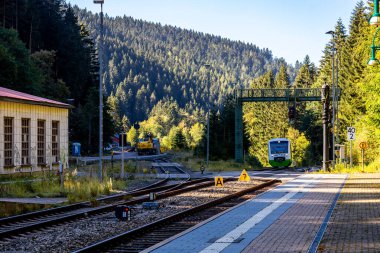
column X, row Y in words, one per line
column 33, row 132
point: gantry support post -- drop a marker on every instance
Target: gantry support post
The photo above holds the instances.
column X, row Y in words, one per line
column 238, row 131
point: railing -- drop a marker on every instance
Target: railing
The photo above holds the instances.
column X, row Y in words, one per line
column 281, row 94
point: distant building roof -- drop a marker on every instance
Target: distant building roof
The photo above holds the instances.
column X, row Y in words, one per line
column 16, row 96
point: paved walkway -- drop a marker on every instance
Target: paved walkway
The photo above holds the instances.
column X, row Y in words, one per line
column 297, row 229
column 300, row 223
column 355, row 223
column 285, row 219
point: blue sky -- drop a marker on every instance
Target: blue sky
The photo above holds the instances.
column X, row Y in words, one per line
column 289, row 28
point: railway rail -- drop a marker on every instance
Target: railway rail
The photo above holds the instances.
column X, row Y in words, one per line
column 20, row 224
column 67, row 208
column 148, row 235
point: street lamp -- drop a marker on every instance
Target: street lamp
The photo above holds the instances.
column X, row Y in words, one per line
column 374, row 20
column 332, row 33
column 100, row 173
column 373, row 61
column 208, row 66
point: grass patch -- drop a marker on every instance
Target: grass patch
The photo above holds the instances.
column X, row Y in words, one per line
column 89, row 188
column 373, row 167
column 27, row 187
column 75, row 188
column 112, row 169
column 25, row 175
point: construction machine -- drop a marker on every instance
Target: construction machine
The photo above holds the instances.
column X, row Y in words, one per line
column 148, row 145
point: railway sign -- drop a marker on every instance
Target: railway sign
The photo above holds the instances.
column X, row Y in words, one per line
column 244, row 176
column 363, row 145
column 219, row 181
column 351, row 133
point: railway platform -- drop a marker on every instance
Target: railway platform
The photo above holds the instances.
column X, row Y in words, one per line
column 311, row 213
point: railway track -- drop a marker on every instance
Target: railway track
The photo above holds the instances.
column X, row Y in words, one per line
column 141, row 238
column 162, row 165
column 21, row 224
column 170, row 170
column 67, row 208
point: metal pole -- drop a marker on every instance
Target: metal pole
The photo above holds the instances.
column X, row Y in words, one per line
column 325, row 101
column 363, row 160
column 333, row 106
column 208, row 114
column 101, row 96
column 61, row 175
column 336, row 95
column 208, row 134
column 122, row 157
column 351, row 154
column 376, row 6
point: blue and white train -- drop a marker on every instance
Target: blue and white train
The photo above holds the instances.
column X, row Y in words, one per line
column 279, row 152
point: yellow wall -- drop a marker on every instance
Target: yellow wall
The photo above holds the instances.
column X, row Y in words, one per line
column 33, row 112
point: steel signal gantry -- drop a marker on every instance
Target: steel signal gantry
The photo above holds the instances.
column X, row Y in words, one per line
column 269, row 95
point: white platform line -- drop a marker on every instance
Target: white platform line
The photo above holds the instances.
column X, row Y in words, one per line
column 229, row 238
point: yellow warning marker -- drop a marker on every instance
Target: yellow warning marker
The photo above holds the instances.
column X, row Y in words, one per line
column 219, row 181
column 244, row 176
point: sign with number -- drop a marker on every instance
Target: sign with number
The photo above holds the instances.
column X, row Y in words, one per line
column 244, row 176
column 363, row 145
column 351, row 133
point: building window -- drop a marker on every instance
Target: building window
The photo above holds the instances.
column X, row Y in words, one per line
column 25, row 141
column 41, row 142
column 8, row 141
column 55, row 141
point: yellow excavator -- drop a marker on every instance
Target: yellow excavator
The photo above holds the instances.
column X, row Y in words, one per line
column 148, row 145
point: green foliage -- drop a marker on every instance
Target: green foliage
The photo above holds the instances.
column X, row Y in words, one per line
column 85, row 189
column 18, row 71
column 179, row 141
column 147, row 63
column 52, row 86
column 196, row 134
column 48, row 187
column 132, row 136
column 45, row 52
column 155, row 75
column 299, row 146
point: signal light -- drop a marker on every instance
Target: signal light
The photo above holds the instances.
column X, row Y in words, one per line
column 292, row 112
column 123, row 213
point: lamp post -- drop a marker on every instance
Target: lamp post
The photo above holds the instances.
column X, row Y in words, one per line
column 332, row 33
column 325, row 102
column 208, row 66
column 374, row 20
column 122, row 156
column 100, row 50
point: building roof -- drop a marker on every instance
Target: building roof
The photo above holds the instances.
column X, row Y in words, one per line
column 20, row 97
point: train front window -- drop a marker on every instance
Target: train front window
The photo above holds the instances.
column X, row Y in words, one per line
column 279, row 147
